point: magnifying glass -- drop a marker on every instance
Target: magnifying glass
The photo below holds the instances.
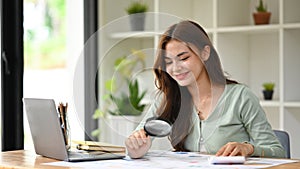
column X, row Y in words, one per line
column 157, row 127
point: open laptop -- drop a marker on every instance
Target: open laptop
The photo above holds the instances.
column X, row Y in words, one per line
column 48, row 137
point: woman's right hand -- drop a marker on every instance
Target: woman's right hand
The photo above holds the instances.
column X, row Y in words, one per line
column 138, row 144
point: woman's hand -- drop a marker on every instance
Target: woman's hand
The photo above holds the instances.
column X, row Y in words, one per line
column 138, row 144
column 236, row 149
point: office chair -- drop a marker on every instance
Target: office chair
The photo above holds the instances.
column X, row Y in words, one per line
column 284, row 139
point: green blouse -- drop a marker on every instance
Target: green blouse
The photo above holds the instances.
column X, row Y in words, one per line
column 238, row 117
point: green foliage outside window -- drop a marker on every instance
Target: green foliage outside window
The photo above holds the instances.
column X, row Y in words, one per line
column 45, row 43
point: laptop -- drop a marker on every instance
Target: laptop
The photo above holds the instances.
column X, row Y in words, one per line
column 47, row 134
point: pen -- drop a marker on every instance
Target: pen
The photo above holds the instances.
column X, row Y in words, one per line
column 62, row 112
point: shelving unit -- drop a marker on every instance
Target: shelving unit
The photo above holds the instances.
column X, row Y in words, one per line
column 250, row 53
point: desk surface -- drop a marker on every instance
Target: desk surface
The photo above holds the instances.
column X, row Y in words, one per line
column 28, row 159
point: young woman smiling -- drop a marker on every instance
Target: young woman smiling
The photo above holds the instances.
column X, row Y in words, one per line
column 209, row 113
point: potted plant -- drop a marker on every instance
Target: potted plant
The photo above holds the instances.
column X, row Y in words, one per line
column 123, row 98
column 128, row 104
column 136, row 11
column 261, row 16
column 268, row 90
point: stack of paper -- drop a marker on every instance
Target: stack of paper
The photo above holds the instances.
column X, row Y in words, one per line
column 99, row 146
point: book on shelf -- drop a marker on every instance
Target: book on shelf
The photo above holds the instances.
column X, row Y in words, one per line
column 99, row 146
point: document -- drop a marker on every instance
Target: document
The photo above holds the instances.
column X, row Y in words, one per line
column 175, row 160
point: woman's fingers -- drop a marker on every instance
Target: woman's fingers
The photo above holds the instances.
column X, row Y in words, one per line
column 236, row 151
column 129, row 142
column 136, row 139
column 221, row 150
column 143, row 135
column 135, row 143
column 138, row 144
column 225, row 150
column 233, row 149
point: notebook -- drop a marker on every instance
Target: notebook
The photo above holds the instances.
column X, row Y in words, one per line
column 47, row 134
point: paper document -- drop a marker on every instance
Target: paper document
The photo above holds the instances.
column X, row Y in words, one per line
column 174, row 160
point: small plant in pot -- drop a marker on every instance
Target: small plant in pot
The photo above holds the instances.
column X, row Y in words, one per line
column 261, row 16
column 136, row 11
column 268, row 90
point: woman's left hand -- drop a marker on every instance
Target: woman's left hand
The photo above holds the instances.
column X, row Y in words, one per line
column 236, row 149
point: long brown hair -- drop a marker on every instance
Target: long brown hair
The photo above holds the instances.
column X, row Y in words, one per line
column 177, row 104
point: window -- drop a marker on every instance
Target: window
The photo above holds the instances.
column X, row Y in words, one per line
column 53, row 42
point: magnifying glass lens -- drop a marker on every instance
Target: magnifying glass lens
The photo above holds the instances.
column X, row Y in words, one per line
column 157, row 128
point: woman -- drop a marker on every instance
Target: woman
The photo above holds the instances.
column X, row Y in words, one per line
column 208, row 112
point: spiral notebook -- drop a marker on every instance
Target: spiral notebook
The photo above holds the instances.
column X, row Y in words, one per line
column 47, row 134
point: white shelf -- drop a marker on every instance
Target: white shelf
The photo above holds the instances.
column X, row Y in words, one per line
column 271, row 103
column 134, row 34
column 251, row 28
column 236, row 29
column 292, row 26
column 292, row 104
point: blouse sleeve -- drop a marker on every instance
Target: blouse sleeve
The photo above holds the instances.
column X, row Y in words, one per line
column 261, row 134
